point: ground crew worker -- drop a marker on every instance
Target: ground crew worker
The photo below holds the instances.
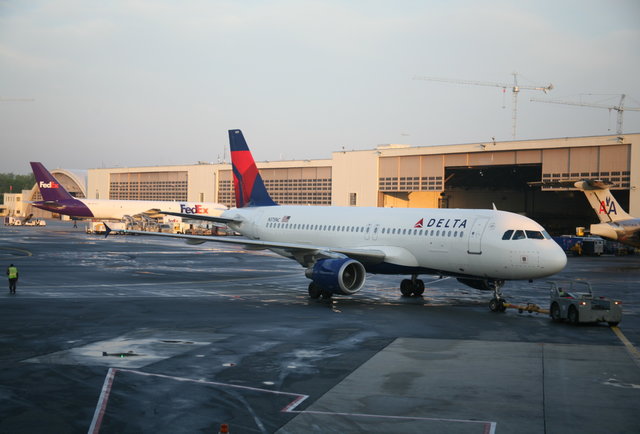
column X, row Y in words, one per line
column 12, row 273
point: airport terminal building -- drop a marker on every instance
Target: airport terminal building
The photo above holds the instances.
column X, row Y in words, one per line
column 473, row 175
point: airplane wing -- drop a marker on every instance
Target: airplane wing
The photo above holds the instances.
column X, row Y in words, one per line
column 305, row 254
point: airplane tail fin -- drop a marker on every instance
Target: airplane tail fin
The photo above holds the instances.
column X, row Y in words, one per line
column 602, row 201
column 50, row 188
column 247, row 182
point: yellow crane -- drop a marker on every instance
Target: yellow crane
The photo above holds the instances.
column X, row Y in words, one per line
column 619, row 108
column 515, row 90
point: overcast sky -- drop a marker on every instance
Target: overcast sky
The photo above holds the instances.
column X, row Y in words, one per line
column 152, row 82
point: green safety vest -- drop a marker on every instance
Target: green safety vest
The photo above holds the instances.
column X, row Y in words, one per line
column 13, row 272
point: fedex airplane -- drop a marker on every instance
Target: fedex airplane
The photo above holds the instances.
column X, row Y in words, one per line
column 338, row 246
column 58, row 200
column 615, row 224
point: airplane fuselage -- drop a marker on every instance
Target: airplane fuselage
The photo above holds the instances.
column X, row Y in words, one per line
column 116, row 209
column 624, row 231
column 455, row 242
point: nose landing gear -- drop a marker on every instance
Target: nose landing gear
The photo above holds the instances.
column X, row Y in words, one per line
column 497, row 303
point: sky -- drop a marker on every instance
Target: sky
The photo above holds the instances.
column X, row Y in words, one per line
column 92, row 83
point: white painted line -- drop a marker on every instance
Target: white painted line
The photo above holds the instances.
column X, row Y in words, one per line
column 102, row 402
column 489, row 427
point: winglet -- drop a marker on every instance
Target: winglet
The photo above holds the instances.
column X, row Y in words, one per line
column 247, row 182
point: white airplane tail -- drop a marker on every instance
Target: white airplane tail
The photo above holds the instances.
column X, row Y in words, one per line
column 602, row 201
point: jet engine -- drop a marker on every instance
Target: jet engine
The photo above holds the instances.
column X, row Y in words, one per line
column 343, row 275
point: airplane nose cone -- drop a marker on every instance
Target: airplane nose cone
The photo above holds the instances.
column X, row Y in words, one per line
column 554, row 260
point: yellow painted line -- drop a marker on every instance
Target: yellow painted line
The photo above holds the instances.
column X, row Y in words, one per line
column 14, row 249
column 633, row 351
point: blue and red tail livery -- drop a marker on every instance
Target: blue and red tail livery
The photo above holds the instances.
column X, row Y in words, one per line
column 247, row 182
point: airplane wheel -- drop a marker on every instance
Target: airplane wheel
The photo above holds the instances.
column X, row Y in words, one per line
column 314, row 290
column 326, row 295
column 406, row 288
column 501, row 305
column 574, row 316
column 419, row 289
column 494, row 305
column 555, row 312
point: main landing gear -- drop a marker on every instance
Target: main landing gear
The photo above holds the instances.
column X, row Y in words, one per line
column 413, row 286
column 315, row 291
column 496, row 304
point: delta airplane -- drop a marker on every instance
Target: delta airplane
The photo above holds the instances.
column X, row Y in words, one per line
column 615, row 224
column 338, row 246
column 58, row 200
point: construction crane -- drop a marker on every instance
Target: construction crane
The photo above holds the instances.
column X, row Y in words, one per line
column 620, row 108
column 515, row 90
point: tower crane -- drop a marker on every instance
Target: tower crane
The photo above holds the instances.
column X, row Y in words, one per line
column 515, row 90
column 620, row 108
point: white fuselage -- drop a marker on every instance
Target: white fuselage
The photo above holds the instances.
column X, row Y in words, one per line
column 117, row 209
column 456, row 242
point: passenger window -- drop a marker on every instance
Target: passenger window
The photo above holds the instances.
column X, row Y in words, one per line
column 461, row 234
column 519, row 235
column 455, row 234
column 449, row 233
column 507, row 235
column 535, row 235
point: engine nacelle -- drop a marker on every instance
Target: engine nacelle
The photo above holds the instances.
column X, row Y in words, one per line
column 343, row 276
column 193, row 242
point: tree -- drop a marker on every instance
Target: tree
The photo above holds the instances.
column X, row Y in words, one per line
column 15, row 183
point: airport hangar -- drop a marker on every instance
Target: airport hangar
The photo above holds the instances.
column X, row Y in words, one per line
column 474, row 175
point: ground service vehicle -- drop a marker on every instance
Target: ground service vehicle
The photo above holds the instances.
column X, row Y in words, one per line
column 574, row 301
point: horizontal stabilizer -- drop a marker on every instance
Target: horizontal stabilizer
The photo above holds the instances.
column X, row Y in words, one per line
column 580, row 184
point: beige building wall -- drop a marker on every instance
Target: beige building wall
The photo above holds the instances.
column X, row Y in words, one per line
column 355, row 172
column 634, row 182
column 399, row 175
column 201, row 185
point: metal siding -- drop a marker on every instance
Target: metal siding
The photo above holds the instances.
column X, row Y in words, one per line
column 555, row 161
column 614, row 158
column 388, row 167
column 583, row 160
column 529, row 157
column 432, row 165
column 410, row 166
column 456, row 160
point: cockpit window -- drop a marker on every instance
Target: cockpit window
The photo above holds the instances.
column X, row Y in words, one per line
column 519, row 235
column 546, row 235
column 535, row 235
column 507, row 235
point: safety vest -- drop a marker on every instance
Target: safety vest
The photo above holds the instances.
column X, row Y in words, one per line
column 13, row 272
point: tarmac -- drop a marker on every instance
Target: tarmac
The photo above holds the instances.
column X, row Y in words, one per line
column 136, row 334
